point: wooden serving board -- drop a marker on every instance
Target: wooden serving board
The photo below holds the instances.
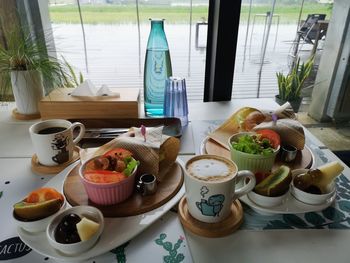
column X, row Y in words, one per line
column 137, row 204
column 220, row 229
column 303, row 160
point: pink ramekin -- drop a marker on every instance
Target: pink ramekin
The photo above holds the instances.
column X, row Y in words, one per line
column 108, row 193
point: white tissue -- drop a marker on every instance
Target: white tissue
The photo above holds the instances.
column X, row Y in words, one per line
column 88, row 89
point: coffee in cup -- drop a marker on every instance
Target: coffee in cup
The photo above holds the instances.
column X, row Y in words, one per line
column 53, row 140
column 210, row 183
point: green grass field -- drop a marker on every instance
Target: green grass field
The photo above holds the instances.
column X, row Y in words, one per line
column 115, row 14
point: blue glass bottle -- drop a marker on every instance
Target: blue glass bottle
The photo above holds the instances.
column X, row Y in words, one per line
column 157, row 69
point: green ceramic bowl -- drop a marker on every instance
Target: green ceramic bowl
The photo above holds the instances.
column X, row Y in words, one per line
column 251, row 162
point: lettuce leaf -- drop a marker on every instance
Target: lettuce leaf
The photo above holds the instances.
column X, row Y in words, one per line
column 131, row 164
column 252, row 145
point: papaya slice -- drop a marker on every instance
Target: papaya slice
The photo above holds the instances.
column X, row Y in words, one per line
column 35, row 211
column 43, row 194
column 276, row 184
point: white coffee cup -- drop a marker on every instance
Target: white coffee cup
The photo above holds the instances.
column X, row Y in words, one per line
column 53, row 140
column 210, row 183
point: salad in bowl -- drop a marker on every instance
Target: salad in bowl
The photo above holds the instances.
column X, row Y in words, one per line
column 255, row 151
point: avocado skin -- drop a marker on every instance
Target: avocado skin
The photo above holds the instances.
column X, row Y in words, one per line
column 276, row 184
column 35, row 211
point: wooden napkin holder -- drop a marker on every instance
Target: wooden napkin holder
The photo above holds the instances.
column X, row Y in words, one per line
column 59, row 104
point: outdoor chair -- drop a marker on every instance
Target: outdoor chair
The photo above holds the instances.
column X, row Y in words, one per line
column 309, row 30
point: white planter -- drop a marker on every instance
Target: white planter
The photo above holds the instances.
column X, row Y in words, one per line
column 28, row 90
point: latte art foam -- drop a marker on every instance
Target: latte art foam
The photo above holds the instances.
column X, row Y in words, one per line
column 210, row 169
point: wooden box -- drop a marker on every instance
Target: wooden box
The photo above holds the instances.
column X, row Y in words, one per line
column 60, row 104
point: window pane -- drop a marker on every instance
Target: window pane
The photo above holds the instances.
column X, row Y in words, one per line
column 116, row 43
column 281, row 41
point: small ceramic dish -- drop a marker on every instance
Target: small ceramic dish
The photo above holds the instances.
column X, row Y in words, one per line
column 108, row 193
column 266, row 201
column 34, row 226
column 72, row 249
column 251, row 162
column 307, row 198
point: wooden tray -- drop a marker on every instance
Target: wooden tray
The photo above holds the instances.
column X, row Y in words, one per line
column 303, row 160
column 137, row 204
column 172, row 127
column 220, row 229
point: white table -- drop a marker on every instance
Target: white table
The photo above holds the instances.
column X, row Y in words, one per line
column 249, row 244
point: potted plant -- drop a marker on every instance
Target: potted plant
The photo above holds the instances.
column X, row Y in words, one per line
column 26, row 66
column 290, row 85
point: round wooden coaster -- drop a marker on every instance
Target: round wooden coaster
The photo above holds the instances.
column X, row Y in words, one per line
column 220, row 229
column 40, row 169
column 136, row 204
column 24, row 117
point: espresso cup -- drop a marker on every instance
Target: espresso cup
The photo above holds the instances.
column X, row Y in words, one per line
column 210, row 183
column 53, row 140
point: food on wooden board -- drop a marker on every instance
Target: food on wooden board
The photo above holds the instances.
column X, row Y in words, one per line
column 113, row 166
column 39, row 204
column 290, row 131
column 252, row 119
column 276, row 184
column 317, row 181
column 264, row 142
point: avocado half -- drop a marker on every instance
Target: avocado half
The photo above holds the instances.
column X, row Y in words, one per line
column 35, row 211
column 275, row 184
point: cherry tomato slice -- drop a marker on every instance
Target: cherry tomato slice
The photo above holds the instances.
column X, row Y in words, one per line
column 102, row 176
column 271, row 135
column 118, row 153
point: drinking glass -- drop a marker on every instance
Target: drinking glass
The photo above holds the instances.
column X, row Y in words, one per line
column 175, row 99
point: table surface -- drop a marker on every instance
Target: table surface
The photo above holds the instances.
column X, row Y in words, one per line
column 311, row 237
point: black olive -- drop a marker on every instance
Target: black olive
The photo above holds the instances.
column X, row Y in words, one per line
column 66, row 231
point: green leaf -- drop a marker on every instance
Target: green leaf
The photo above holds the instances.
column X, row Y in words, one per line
column 294, row 220
column 131, row 164
column 277, row 224
column 333, row 214
column 290, row 85
column 314, row 218
column 168, row 246
column 180, row 257
column 344, row 195
column 167, row 259
column 162, row 236
column 344, row 206
column 344, row 179
column 159, row 242
column 336, row 225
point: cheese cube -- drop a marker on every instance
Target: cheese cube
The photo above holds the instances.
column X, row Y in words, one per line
column 87, row 228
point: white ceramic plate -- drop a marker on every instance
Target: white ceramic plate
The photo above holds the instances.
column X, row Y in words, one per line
column 289, row 206
column 116, row 231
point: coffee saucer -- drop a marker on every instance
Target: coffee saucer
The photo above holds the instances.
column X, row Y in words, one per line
column 40, row 169
column 220, row 229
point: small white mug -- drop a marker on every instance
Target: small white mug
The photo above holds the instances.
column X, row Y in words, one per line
column 210, row 183
column 53, row 140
